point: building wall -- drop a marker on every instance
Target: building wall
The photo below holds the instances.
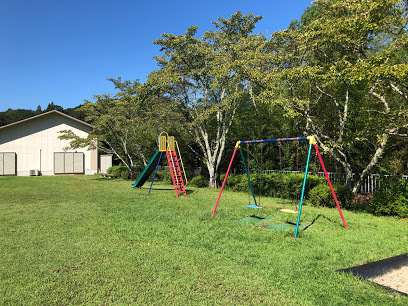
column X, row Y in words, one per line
column 36, row 140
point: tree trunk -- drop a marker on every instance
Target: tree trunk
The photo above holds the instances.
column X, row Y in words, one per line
column 371, row 164
column 213, row 178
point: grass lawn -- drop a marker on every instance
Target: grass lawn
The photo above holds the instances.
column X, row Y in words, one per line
column 83, row 239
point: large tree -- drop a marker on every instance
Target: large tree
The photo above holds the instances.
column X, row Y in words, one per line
column 206, row 78
column 343, row 69
column 125, row 124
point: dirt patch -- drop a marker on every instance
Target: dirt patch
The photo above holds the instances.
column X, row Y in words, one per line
column 390, row 272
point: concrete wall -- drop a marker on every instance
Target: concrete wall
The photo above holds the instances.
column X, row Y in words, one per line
column 35, row 141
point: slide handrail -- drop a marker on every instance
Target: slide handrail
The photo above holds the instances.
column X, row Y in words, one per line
column 182, row 165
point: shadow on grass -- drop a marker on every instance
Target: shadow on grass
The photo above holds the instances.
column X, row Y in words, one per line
column 315, row 219
column 105, row 179
column 188, row 191
column 379, row 268
column 290, row 225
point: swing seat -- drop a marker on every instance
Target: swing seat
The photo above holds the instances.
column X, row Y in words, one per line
column 254, row 206
column 289, row 211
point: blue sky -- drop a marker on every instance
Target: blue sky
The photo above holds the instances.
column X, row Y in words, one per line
column 63, row 51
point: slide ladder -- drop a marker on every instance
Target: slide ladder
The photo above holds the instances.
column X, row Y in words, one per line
column 175, row 171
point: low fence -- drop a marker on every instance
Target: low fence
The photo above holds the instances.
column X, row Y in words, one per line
column 370, row 184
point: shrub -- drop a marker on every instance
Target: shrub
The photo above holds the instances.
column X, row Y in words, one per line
column 124, row 174
column 199, row 181
column 118, row 170
column 344, row 195
column 321, row 195
column 163, row 175
column 272, row 185
column 232, row 181
column 361, row 201
column 391, row 200
column 222, row 176
column 110, row 170
column 313, row 181
column 137, row 170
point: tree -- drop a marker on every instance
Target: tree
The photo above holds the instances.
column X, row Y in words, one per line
column 122, row 123
column 14, row 115
column 38, row 110
column 51, row 106
column 343, row 68
column 206, row 79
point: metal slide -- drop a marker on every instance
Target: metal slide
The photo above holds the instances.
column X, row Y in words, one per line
column 147, row 171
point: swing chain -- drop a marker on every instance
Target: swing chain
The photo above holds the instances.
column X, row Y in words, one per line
column 261, row 175
column 281, row 172
column 249, row 192
column 297, row 172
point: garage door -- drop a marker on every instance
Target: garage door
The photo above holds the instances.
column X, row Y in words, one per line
column 105, row 162
column 68, row 163
column 79, row 163
column 8, row 163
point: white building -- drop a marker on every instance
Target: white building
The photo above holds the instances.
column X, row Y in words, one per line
column 31, row 147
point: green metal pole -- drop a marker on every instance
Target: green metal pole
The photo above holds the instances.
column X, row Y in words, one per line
column 303, row 190
column 249, row 180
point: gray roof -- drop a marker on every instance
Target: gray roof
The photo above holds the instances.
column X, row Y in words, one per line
column 44, row 114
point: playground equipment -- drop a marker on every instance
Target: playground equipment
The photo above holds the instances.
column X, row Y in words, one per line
column 282, row 184
column 312, row 142
column 166, row 144
column 295, row 211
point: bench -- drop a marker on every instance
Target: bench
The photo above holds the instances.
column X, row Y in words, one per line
column 108, row 175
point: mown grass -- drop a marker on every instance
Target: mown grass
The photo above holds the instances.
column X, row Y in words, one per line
column 82, row 239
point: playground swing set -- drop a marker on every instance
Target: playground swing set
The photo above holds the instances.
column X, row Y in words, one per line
column 312, row 142
column 169, row 145
column 281, row 185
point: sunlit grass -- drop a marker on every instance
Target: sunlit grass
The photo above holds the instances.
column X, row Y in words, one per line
column 81, row 239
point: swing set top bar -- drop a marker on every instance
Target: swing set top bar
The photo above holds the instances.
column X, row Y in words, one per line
column 310, row 138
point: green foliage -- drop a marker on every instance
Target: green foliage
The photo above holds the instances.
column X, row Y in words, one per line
column 119, row 171
column 321, row 195
column 124, row 174
column 163, row 175
column 274, row 184
column 198, row 181
column 14, row 115
column 391, row 199
column 125, row 124
column 205, row 77
column 343, row 69
column 136, row 171
column 10, row 115
column 344, row 195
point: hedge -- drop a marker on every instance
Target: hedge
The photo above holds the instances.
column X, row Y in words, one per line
column 274, row 184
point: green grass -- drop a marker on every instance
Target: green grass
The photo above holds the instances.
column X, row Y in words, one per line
column 81, row 239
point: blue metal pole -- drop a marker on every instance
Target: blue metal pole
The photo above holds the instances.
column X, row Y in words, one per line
column 158, row 163
column 303, row 190
column 272, row 140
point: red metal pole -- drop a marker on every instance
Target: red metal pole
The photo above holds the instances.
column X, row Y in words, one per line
column 225, row 179
column 331, row 187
